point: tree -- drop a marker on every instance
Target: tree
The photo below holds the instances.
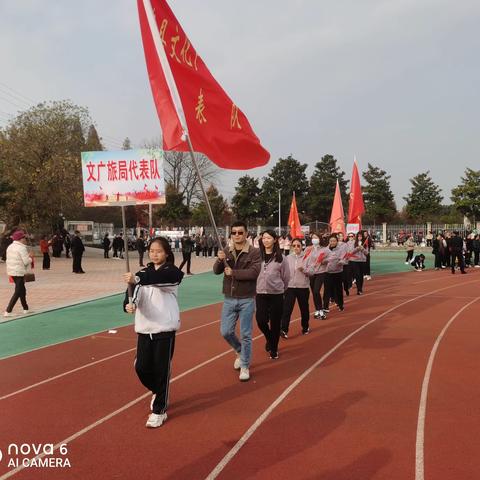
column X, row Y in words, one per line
column 40, row 159
column 93, row 143
column 127, row 145
column 219, row 209
column 466, row 196
column 378, row 196
column 181, row 173
column 322, row 188
column 174, row 212
column 424, row 199
column 246, row 201
column 287, row 176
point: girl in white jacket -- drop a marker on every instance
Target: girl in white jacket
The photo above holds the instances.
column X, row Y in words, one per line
column 18, row 260
column 157, row 318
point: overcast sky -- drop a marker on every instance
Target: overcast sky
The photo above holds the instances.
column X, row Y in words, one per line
column 395, row 82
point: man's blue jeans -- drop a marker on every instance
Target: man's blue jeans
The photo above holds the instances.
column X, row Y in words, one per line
column 238, row 309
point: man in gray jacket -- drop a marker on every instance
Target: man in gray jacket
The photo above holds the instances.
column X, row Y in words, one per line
column 240, row 264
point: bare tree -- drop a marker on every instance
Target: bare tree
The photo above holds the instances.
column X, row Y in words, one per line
column 180, row 172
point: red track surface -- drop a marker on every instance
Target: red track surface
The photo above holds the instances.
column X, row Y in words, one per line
column 354, row 416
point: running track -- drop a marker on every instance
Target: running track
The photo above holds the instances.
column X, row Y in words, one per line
column 387, row 389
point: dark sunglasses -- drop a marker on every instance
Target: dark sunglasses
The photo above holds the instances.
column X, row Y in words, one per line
column 238, row 232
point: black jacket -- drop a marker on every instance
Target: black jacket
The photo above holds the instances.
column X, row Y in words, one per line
column 77, row 246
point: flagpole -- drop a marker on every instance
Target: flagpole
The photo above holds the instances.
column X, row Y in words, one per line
column 279, row 213
column 205, row 197
column 127, row 261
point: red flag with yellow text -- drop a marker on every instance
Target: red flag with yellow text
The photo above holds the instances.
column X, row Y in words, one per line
column 188, row 98
column 294, row 220
column 337, row 218
column 356, row 208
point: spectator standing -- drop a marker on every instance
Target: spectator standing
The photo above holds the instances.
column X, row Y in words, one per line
column 187, row 249
column 141, row 248
column 45, row 250
column 77, row 252
column 106, row 245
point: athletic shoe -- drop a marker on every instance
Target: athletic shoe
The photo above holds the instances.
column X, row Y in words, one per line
column 359, row 292
column 156, row 420
column 152, row 400
column 326, row 310
column 244, row 374
column 305, row 331
column 8, row 314
column 368, row 277
column 237, row 364
column 316, row 314
column 283, row 334
column 323, row 316
column 443, row 266
column 341, row 308
column 268, row 348
column 476, row 266
column 436, row 268
column 27, row 311
column 273, row 356
column 406, row 263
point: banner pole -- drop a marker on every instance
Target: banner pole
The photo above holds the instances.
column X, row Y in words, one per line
column 127, row 261
column 207, row 203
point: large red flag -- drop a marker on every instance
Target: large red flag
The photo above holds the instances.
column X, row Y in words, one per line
column 294, row 220
column 189, row 99
column 337, row 218
column 356, row 208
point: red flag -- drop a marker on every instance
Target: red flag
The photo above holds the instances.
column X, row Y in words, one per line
column 189, row 99
column 356, row 208
column 337, row 218
column 294, row 220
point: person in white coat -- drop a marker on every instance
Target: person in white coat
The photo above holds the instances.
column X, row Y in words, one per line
column 18, row 261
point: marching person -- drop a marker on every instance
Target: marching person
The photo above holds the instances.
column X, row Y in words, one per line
column 187, row 249
column 358, row 257
column 240, row 264
column 272, row 282
column 335, row 260
column 18, row 261
column 369, row 245
column 157, row 318
column 315, row 269
column 298, row 289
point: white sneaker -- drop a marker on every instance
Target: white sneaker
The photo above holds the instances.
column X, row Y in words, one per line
column 477, row 266
column 8, row 314
column 244, row 374
column 236, row 363
column 151, row 401
column 406, row 263
column 27, row 311
column 368, row 277
column 156, row 420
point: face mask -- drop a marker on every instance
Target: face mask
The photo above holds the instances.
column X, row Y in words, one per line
column 315, row 241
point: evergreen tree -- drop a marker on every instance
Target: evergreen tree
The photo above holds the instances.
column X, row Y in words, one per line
column 287, row 176
column 218, row 205
column 246, row 201
column 322, row 188
column 127, row 145
column 174, row 212
column 466, row 196
column 377, row 195
column 93, row 143
column 424, row 199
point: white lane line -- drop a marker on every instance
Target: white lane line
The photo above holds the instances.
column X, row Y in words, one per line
column 91, row 364
column 246, row 436
column 422, row 410
column 91, row 334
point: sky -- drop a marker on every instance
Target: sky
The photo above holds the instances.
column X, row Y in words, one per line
column 394, row 82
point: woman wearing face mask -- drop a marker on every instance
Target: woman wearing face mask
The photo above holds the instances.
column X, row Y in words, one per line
column 315, row 269
column 333, row 278
column 271, row 285
column 357, row 261
column 297, row 290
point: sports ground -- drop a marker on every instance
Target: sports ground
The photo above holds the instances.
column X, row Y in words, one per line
column 384, row 390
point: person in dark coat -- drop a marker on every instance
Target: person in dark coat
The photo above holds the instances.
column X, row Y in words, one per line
column 418, row 262
column 106, row 245
column 68, row 244
column 121, row 245
column 187, row 249
column 77, row 252
column 141, row 248
column 456, row 252
column 437, row 249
